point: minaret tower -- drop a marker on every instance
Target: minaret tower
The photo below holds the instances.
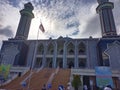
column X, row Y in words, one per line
column 25, row 21
column 106, row 18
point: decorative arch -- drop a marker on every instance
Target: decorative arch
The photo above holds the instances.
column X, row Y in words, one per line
column 49, row 63
column 105, row 59
column 61, row 51
column 38, row 62
column 70, row 64
column 60, row 47
column 50, row 48
column 81, row 48
column 59, row 63
column 70, row 48
column 40, row 49
column 82, row 63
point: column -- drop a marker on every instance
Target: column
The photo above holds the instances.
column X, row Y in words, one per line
column 64, row 56
column 55, row 55
column 44, row 55
column 76, row 54
column 88, row 54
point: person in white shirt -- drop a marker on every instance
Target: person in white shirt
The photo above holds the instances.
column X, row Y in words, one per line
column 108, row 87
column 85, row 87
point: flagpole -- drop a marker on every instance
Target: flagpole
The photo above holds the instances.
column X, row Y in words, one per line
column 34, row 56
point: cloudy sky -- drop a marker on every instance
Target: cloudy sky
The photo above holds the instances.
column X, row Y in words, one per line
column 72, row 18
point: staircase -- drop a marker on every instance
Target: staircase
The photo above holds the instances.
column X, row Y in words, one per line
column 15, row 83
column 38, row 79
column 61, row 78
column 35, row 82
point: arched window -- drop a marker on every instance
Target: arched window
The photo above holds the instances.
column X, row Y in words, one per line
column 38, row 62
column 71, row 51
column 105, row 59
column 82, row 63
column 40, row 49
column 50, row 49
column 81, row 48
column 60, row 47
column 49, row 62
column 71, row 64
column 70, row 48
column 61, row 51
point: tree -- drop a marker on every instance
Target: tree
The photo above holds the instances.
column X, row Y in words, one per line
column 76, row 82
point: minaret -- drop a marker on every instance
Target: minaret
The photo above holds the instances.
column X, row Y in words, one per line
column 106, row 18
column 25, row 21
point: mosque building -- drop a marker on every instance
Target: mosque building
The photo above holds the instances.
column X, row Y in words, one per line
column 82, row 56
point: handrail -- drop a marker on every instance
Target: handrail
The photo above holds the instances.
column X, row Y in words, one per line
column 8, row 81
column 52, row 76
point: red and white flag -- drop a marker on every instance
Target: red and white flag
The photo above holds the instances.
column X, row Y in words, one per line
column 41, row 28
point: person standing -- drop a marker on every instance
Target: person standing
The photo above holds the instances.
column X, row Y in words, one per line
column 108, row 87
column 85, row 87
column 44, row 87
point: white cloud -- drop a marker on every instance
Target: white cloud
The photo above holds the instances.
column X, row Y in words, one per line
column 62, row 13
column 73, row 18
column 9, row 16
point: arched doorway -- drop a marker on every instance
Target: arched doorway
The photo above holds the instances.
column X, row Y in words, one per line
column 38, row 62
column 86, row 81
column 70, row 64
column 81, row 49
column 59, row 62
column 40, row 49
column 49, row 62
column 82, row 62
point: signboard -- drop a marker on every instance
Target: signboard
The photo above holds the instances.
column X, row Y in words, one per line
column 103, row 76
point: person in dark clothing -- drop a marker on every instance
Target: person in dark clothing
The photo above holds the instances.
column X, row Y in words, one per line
column 44, row 87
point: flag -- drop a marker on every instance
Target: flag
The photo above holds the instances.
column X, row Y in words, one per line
column 41, row 28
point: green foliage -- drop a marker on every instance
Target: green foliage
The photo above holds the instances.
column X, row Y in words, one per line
column 4, row 70
column 76, row 82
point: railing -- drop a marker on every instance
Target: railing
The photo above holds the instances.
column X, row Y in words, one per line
column 19, row 69
column 9, row 80
column 52, row 76
column 40, row 69
column 62, row 78
column 23, row 70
